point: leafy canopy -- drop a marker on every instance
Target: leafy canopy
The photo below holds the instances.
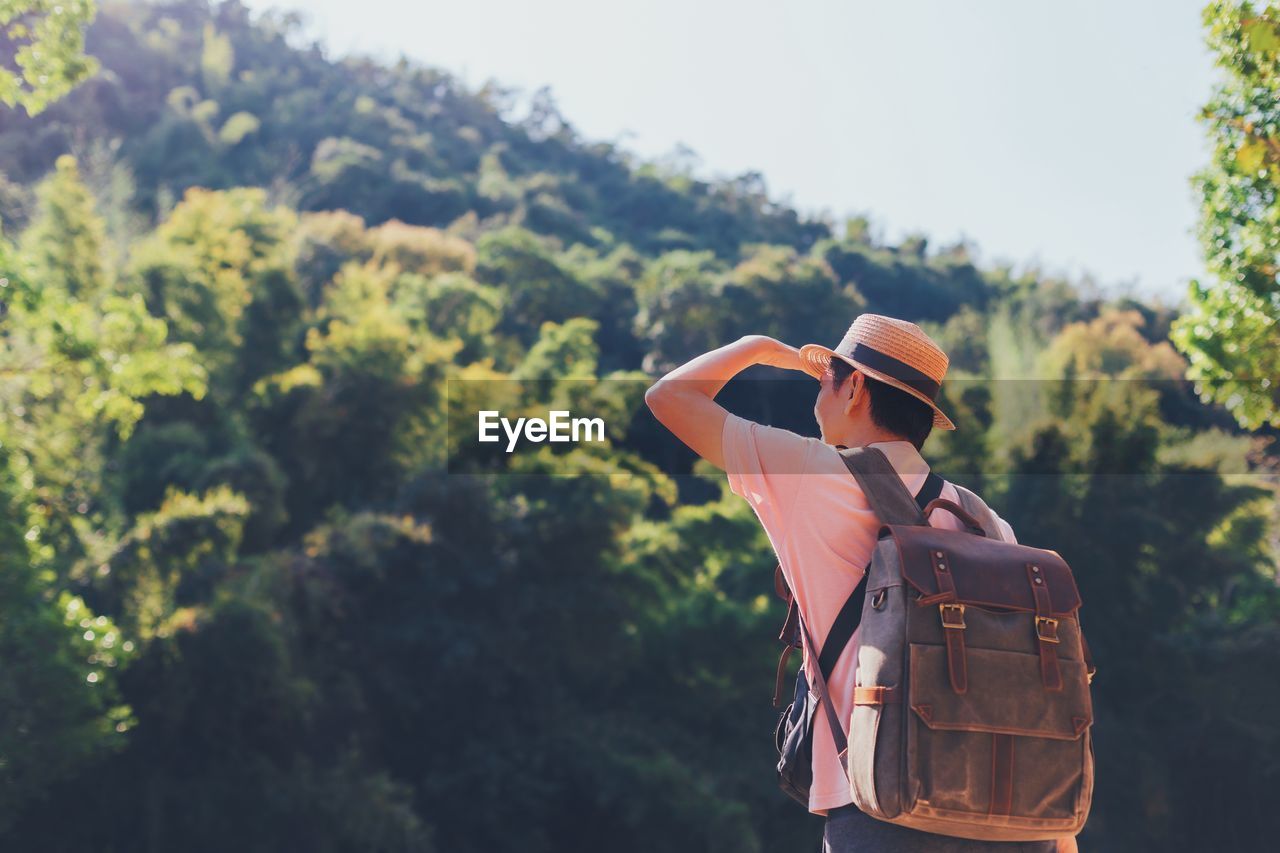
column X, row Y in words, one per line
column 42, row 50
column 1231, row 334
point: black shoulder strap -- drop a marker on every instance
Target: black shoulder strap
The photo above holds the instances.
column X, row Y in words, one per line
column 930, row 491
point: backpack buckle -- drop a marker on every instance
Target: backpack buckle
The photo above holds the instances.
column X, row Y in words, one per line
column 953, row 609
column 1047, row 629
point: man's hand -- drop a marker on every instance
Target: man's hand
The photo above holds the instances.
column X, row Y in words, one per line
column 684, row 400
column 777, row 354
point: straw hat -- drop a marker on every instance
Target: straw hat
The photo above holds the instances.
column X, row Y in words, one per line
column 894, row 351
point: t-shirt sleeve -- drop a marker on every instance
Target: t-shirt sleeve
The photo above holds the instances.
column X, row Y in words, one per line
column 1006, row 531
column 765, row 465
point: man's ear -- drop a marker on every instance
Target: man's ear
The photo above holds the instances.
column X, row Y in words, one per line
column 857, row 388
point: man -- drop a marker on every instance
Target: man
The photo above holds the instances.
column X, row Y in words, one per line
column 878, row 387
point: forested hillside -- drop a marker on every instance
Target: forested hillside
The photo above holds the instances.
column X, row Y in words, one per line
column 257, row 595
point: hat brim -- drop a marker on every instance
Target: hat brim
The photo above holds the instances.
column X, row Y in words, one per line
column 815, row 359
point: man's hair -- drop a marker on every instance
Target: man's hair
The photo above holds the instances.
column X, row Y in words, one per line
column 892, row 408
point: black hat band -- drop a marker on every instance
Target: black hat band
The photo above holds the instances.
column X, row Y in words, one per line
column 899, row 370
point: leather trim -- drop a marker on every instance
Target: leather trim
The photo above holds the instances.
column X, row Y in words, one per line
column 882, row 486
column 981, row 570
column 957, row 665
column 942, row 575
column 782, row 674
column 780, row 583
column 959, row 512
column 1001, row 774
column 790, row 636
column 993, row 605
column 1050, row 672
column 876, row 695
column 982, row 823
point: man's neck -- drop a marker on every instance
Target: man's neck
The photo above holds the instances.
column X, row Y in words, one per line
column 858, row 435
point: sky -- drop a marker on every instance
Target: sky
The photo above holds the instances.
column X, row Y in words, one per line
column 1059, row 136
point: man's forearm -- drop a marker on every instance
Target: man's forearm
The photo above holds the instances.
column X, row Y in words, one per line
column 711, row 371
column 684, row 400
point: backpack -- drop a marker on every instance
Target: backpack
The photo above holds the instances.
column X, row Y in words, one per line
column 972, row 711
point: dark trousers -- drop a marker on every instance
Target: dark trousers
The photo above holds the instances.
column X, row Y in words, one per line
column 847, row 829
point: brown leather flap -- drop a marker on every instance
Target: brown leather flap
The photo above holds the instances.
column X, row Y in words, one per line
column 1004, row 695
column 985, row 571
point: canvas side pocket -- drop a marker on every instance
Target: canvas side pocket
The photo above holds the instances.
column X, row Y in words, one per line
column 875, row 737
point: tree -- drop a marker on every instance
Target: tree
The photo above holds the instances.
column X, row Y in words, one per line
column 59, row 706
column 1231, row 335
column 67, row 241
column 218, row 271
column 42, row 50
column 540, row 288
column 71, row 371
column 74, row 369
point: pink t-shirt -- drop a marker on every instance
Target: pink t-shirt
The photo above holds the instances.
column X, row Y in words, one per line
column 823, row 531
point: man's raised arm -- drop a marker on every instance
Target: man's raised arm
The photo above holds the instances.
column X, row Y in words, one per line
column 684, row 400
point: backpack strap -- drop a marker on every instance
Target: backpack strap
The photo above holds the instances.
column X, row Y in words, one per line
column 883, row 486
column 930, row 491
column 833, row 720
column 851, row 613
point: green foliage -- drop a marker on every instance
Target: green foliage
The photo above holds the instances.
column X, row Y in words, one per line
column 67, row 240
column 72, row 368
column 59, row 704
column 904, row 280
column 179, row 548
column 679, row 310
column 451, row 305
column 964, row 339
column 237, row 127
column 77, row 360
column 1231, row 335
column 540, row 289
column 415, row 249
column 217, row 59
column 562, row 352
column 43, row 50
column 217, row 271
column 321, row 244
